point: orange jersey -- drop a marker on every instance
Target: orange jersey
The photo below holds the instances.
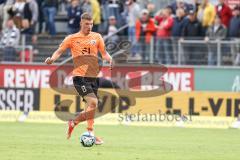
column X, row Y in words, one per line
column 84, row 51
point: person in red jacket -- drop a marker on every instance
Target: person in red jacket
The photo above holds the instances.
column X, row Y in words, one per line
column 164, row 49
column 145, row 29
column 224, row 12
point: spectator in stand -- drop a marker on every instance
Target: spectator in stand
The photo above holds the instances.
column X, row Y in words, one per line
column 28, row 32
column 151, row 9
column 179, row 23
column 193, row 28
column 101, row 2
column 224, row 12
column 124, row 17
column 145, row 29
column 234, row 27
column 216, row 32
column 31, row 9
column 74, row 13
column 112, row 28
column 10, row 39
column 7, row 5
column 180, row 4
column 234, row 34
column 96, row 14
column 144, row 3
column 114, row 9
column 40, row 16
column 133, row 15
column 165, row 24
column 26, row 29
column 86, row 6
column 192, row 31
column 50, row 11
column 206, row 14
column 196, row 5
column 17, row 12
column 2, row 2
column 30, row 15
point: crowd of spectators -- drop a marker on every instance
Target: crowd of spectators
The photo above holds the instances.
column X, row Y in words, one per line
column 166, row 26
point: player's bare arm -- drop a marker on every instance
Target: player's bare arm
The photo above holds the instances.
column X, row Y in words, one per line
column 106, row 56
column 54, row 57
column 111, row 62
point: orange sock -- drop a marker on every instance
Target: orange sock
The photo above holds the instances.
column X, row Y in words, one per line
column 80, row 118
column 90, row 124
column 88, row 116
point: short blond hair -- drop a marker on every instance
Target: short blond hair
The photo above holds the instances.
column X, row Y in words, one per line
column 86, row 16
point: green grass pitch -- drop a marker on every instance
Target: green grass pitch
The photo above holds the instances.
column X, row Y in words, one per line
column 33, row 141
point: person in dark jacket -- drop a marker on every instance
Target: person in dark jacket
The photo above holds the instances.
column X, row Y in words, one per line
column 216, row 32
column 180, row 4
column 179, row 22
column 50, row 11
column 192, row 31
column 234, row 34
column 193, row 28
column 40, row 16
column 31, row 7
column 28, row 31
column 30, row 16
column 234, row 27
column 74, row 13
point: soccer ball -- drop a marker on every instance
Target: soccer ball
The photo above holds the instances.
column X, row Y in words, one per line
column 87, row 139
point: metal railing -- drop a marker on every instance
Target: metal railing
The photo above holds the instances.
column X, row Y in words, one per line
column 171, row 52
column 188, row 52
column 219, row 48
column 25, row 52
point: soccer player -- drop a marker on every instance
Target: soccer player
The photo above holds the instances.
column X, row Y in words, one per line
column 84, row 47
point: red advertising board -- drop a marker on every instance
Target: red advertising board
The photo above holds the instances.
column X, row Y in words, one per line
column 25, row 76
column 37, row 76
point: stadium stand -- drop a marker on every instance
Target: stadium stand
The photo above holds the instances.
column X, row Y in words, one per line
column 178, row 41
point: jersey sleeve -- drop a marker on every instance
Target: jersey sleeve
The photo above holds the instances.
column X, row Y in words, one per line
column 66, row 43
column 102, row 49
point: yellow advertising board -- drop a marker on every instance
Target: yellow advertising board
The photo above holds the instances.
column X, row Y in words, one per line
column 225, row 104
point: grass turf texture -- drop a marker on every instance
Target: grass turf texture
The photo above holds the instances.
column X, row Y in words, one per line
column 30, row 141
